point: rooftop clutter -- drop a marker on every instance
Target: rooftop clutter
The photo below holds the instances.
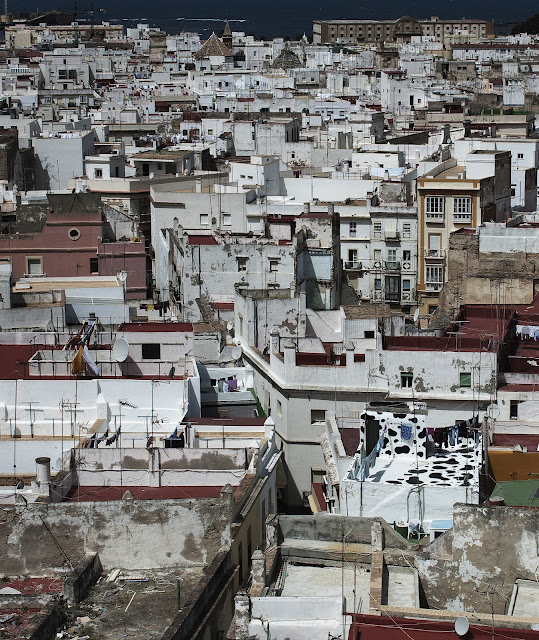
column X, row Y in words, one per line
column 244, row 277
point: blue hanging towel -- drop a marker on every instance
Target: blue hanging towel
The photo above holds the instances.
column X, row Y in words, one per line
column 406, row 431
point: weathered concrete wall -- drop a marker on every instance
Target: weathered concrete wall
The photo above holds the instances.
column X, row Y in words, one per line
column 128, row 534
column 47, row 621
column 475, row 567
column 161, row 467
column 471, row 274
column 208, row 594
column 329, row 528
column 83, row 578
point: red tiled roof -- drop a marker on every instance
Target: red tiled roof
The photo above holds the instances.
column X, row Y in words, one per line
column 350, row 439
column 29, row 586
column 109, row 494
column 12, row 359
column 155, row 327
column 316, row 215
column 194, row 239
column 385, row 628
column 240, row 422
column 222, row 305
column 511, row 439
column 319, row 492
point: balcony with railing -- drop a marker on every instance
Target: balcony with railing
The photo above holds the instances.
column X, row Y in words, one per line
column 353, row 265
column 462, row 218
column 435, row 216
column 436, row 254
column 392, row 265
column 433, row 286
column 407, row 297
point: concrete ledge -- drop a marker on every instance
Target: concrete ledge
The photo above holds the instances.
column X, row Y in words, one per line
column 191, row 615
column 486, row 619
column 82, row 579
column 47, row 621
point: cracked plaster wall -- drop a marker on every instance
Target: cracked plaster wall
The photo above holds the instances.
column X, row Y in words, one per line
column 127, row 534
column 474, row 566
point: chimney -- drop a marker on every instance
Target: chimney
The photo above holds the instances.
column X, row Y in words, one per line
column 289, row 349
column 331, row 209
column 307, row 207
column 43, row 476
column 274, row 340
column 198, row 185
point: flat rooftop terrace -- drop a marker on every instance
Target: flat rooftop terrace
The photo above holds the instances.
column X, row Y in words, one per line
column 138, row 605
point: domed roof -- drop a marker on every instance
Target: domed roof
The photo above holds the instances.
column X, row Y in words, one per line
column 287, row 59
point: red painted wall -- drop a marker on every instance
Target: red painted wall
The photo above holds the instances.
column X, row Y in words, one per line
column 63, row 256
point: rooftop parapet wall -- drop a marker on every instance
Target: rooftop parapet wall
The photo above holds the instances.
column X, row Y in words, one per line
column 127, row 533
column 490, row 547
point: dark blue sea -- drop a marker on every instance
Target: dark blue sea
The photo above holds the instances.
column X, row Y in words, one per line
column 283, row 17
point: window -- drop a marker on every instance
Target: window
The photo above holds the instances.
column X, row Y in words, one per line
column 378, row 254
column 435, row 240
column 406, row 230
column 406, row 255
column 462, row 205
column 204, row 219
column 273, row 265
column 406, row 285
column 435, row 278
column 34, row 266
column 98, row 173
column 407, row 379
column 465, row 379
column 377, row 229
column 151, row 351
column 520, row 156
column 434, row 207
column 242, row 263
column 462, row 209
column 432, row 309
column 391, row 255
column 318, row 415
column 94, row 265
column 227, row 220
column 513, row 409
column 73, row 233
column 368, row 334
column 378, row 284
column 352, row 259
column 353, row 229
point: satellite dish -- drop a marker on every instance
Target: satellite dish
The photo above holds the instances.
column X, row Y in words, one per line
column 236, row 352
column 462, row 626
column 120, row 349
column 122, row 276
column 416, row 315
